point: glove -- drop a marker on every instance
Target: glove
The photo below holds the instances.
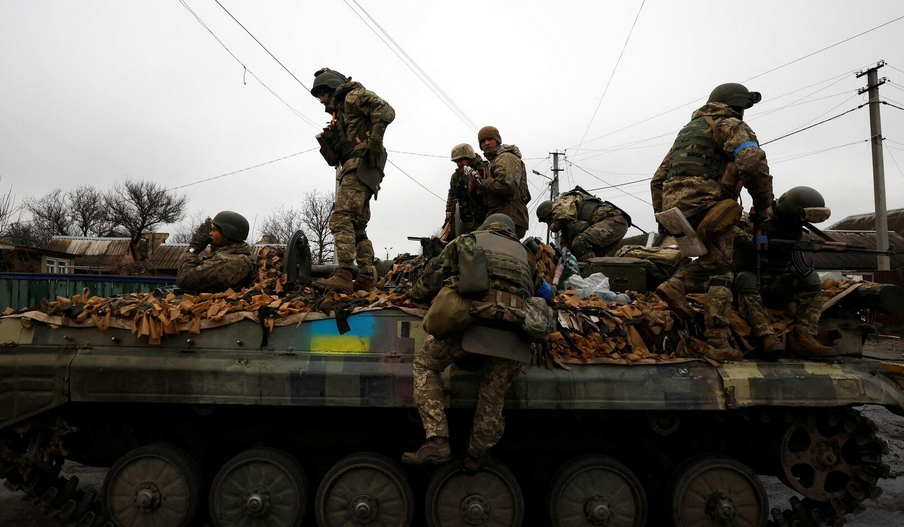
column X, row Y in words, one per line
column 199, row 242
column 374, row 152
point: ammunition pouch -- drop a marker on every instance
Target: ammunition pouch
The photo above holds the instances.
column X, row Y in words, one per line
column 473, row 273
column 587, row 208
column 449, row 315
column 329, row 147
column 719, row 220
column 539, row 319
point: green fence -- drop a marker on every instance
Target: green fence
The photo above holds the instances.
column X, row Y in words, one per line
column 19, row 290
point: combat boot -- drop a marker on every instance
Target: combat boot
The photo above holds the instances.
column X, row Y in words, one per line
column 772, row 346
column 365, row 281
column 672, row 293
column 340, row 280
column 805, row 346
column 434, row 451
column 475, row 461
column 720, row 350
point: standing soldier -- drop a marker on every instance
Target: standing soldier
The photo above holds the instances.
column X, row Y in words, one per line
column 589, row 226
column 505, row 189
column 509, row 276
column 229, row 265
column 713, row 157
column 779, row 281
column 464, row 191
column 355, row 138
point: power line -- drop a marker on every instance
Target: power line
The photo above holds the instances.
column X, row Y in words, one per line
column 262, row 45
column 242, row 64
column 425, row 79
column 416, row 181
column 892, row 156
column 416, row 154
column 892, row 105
column 620, row 184
column 607, row 183
column 242, row 169
column 814, row 152
column 894, row 68
column 824, row 49
column 611, row 76
column 813, row 125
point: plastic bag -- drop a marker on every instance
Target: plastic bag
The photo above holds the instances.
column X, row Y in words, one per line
column 571, row 267
column 595, row 284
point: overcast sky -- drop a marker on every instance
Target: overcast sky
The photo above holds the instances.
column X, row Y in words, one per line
column 99, row 91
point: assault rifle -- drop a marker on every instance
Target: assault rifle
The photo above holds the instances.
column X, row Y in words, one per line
column 797, row 249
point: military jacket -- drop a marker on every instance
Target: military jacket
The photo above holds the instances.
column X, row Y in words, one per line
column 694, row 193
column 444, row 270
column 505, row 189
column 565, row 215
column 471, row 205
column 226, row 267
column 355, row 110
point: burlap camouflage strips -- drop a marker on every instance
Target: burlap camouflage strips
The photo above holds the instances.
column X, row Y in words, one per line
column 348, row 223
column 226, row 267
column 496, row 377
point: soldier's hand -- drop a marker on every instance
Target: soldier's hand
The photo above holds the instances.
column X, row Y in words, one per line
column 199, row 242
column 374, row 152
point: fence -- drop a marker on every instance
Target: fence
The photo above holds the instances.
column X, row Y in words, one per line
column 19, row 290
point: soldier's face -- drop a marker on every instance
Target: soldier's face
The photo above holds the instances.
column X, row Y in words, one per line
column 217, row 239
column 461, row 163
column 488, row 144
column 323, row 97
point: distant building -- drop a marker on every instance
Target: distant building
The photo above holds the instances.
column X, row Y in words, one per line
column 106, row 255
column 867, row 222
column 23, row 259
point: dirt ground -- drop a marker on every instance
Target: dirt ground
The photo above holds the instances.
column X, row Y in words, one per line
column 887, row 511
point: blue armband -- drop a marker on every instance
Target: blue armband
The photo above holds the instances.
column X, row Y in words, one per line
column 742, row 146
column 451, row 191
column 545, row 292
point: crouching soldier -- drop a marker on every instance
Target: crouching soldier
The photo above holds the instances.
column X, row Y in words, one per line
column 587, row 225
column 229, row 264
column 779, row 281
column 485, row 278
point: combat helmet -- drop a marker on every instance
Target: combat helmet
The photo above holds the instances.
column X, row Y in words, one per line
column 801, row 204
column 544, row 210
column 462, row 151
column 326, row 80
column 735, row 95
column 498, row 218
column 232, row 224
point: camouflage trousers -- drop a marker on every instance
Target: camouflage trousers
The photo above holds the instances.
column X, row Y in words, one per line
column 775, row 289
column 348, row 222
column 597, row 239
column 495, row 378
column 713, row 268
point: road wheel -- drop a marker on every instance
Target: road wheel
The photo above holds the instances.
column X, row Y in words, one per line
column 710, row 491
column 491, row 497
column 157, row 484
column 261, row 487
column 364, row 489
column 596, row 490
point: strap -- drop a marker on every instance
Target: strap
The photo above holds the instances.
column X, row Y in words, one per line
column 716, row 134
column 742, row 146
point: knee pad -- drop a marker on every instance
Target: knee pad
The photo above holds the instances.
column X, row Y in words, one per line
column 811, row 283
column 745, row 283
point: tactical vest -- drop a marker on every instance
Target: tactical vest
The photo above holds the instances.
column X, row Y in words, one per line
column 348, row 139
column 497, row 263
column 696, row 151
column 589, row 204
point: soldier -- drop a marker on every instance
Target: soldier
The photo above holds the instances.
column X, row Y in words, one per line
column 779, row 281
column 359, row 120
column 505, row 189
column 464, row 190
column 513, row 278
column 229, row 264
column 588, row 226
column 712, row 158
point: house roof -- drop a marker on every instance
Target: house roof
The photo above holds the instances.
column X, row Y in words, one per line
column 93, row 252
column 825, row 261
column 867, row 222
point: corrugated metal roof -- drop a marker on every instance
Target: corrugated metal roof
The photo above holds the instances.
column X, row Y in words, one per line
column 93, row 252
column 853, row 261
column 867, row 222
column 166, row 256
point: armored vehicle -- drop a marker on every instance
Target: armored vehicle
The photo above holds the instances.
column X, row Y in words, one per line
column 246, row 425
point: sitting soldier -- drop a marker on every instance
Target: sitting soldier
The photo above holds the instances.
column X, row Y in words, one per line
column 228, row 266
column 587, row 226
column 779, row 281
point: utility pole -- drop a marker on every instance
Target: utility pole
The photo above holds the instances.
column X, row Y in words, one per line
column 554, row 186
column 875, row 129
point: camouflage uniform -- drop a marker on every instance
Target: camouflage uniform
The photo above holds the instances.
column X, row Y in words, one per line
column 497, row 374
column 604, row 226
column 505, row 189
column 736, row 161
column 227, row 267
column 471, row 205
column 355, row 110
column 780, row 283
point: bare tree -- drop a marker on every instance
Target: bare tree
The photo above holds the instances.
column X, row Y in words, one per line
column 87, row 210
column 7, row 209
column 183, row 232
column 138, row 207
column 282, row 223
column 23, row 233
column 317, row 207
column 50, row 215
